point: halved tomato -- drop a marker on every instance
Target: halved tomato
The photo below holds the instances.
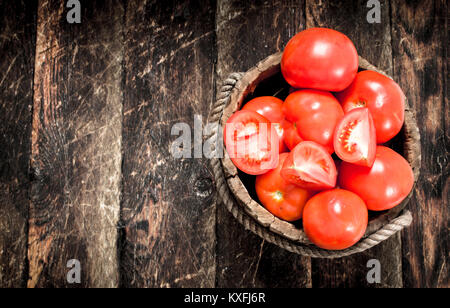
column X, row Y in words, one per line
column 355, row 138
column 251, row 142
column 310, row 166
column 269, row 107
column 281, row 198
column 290, row 134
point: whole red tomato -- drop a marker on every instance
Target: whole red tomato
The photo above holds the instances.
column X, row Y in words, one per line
column 382, row 96
column 383, row 186
column 279, row 197
column 335, row 219
column 316, row 114
column 269, row 107
column 320, row 58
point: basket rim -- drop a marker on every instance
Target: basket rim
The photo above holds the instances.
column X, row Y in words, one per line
column 245, row 86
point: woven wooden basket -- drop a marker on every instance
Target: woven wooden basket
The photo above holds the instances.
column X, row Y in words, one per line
column 237, row 189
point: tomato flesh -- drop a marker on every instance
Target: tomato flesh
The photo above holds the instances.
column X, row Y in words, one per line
column 355, row 138
column 382, row 96
column 335, row 219
column 251, row 142
column 310, row 166
column 383, row 186
column 280, row 197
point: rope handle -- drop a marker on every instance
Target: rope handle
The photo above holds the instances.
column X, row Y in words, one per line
column 394, row 226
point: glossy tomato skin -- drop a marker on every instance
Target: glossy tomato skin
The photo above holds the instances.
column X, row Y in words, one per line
column 251, row 142
column 282, row 199
column 383, row 186
column 290, row 134
column 382, row 96
column 310, row 166
column 355, row 138
column 269, row 107
column 335, row 219
column 316, row 114
column 320, row 58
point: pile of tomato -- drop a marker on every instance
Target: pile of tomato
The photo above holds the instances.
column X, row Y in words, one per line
column 319, row 154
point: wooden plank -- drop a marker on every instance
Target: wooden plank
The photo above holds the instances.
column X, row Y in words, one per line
column 76, row 145
column 168, row 210
column 373, row 42
column 247, row 33
column 17, row 43
column 420, row 45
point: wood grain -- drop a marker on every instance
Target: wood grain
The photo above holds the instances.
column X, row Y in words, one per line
column 420, row 43
column 76, row 145
column 17, row 45
column 168, row 209
column 86, row 113
column 247, row 33
column 373, row 42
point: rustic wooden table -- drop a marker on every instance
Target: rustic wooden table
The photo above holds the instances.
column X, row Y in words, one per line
column 86, row 112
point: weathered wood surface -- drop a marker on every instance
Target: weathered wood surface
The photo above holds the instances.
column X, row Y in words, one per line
column 17, row 46
column 85, row 167
column 76, row 145
column 419, row 43
column 168, row 211
column 248, row 32
column 373, row 42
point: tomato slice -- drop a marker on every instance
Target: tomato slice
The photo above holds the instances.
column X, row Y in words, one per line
column 290, row 134
column 355, row 138
column 310, row 166
column 269, row 107
column 251, row 142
